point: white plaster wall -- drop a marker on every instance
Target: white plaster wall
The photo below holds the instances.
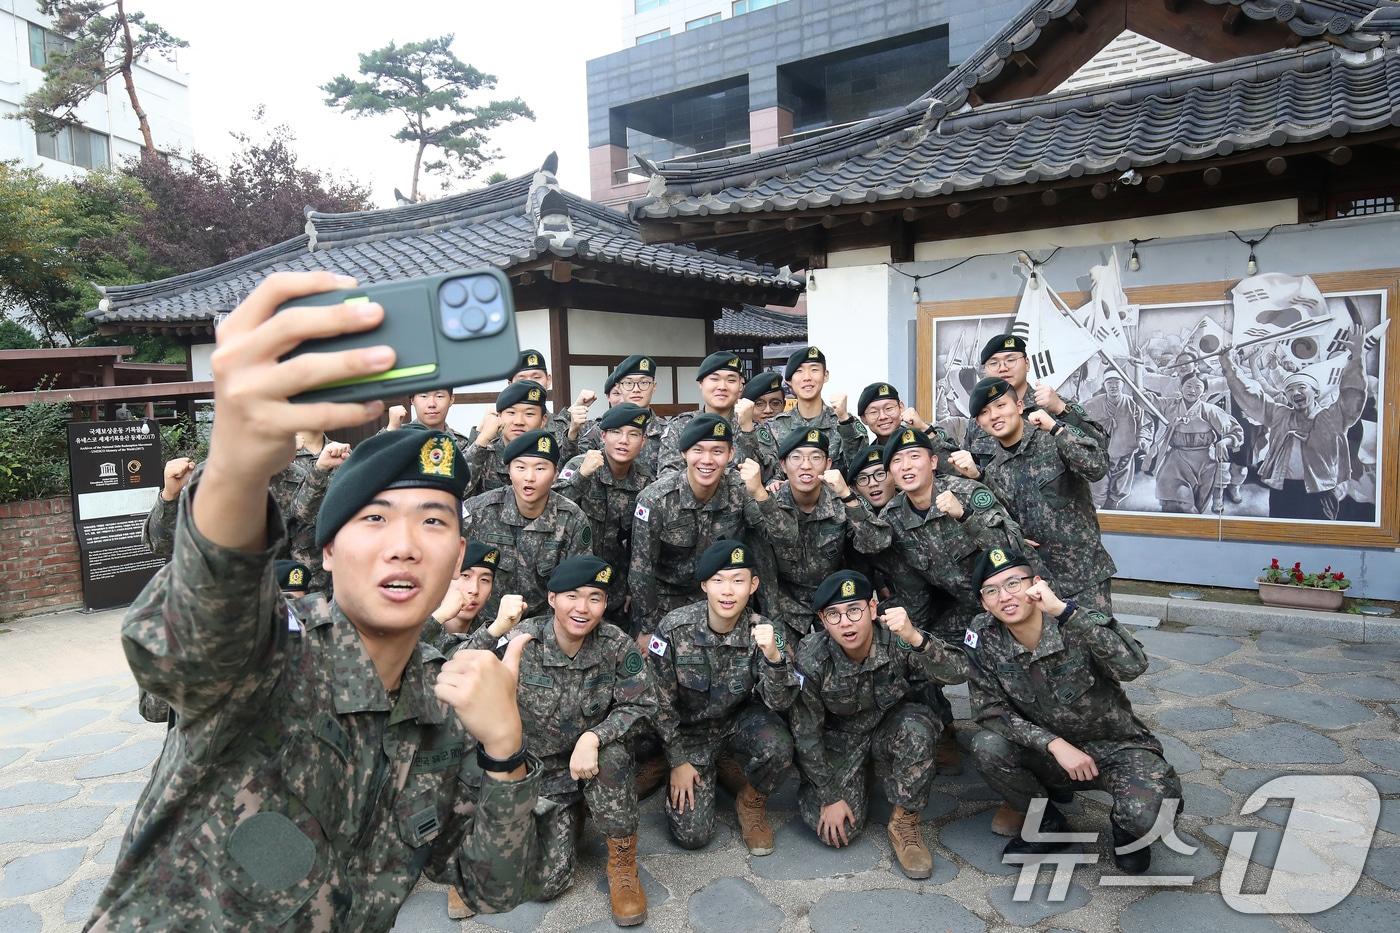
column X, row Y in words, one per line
column 848, row 316
column 607, row 332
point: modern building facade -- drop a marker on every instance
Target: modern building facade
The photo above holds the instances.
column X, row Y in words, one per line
column 720, row 78
column 109, row 131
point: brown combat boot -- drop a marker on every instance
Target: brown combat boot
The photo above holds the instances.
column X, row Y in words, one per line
column 651, row 775
column 1007, row 821
column 457, row 908
column 914, row 858
column 752, row 809
column 947, row 754
column 730, row 774
column 629, row 901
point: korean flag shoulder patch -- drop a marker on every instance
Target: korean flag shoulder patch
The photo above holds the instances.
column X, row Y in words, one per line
column 566, row 474
column 970, row 639
column 643, row 513
column 657, row 646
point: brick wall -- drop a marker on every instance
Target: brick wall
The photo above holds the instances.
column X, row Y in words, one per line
column 38, row 557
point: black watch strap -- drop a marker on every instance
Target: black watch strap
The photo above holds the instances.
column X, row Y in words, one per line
column 1070, row 607
column 501, row 765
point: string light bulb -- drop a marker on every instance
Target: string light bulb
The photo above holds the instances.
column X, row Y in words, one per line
column 1034, row 282
column 917, row 296
column 1134, row 263
column 1253, row 265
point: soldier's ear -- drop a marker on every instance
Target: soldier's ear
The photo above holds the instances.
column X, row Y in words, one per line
column 551, row 600
column 328, row 556
column 753, row 584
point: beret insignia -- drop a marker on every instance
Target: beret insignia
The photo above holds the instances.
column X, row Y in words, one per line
column 532, row 359
column 533, row 395
column 998, row 556
column 492, row 556
column 719, row 430
column 1009, row 342
column 736, row 556
column 848, row 588
column 544, row 445
column 813, row 353
column 814, row 436
column 604, row 575
column 644, row 365
column 907, row 437
column 435, row 457
column 883, row 391
column 296, row 577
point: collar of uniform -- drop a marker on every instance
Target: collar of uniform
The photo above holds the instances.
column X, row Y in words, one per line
column 827, row 419
column 908, row 517
column 357, row 687
column 510, row 513
column 1050, row 641
column 636, row 479
column 827, row 505
column 416, row 697
column 719, row 501
column 551, row 655
column 878, row 657
column 737, row 637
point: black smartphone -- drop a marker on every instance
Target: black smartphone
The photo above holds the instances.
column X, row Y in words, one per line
column 448, row 330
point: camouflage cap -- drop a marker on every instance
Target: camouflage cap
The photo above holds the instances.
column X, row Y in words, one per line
column 634, row 365
column 625, row 415
column 1002, row 343
column 717, row 361
column 487, row 556
column 526, row 391
column 987, row 390
column 871, row 455
column 904, row 439
column 726, row 554
column 290, row 575
column 875, row 392
column 530, row 359
column 533, row 444
column 400, row 459
column 581, row 571
column 994, row 561
column 706, row 427
column 804, row 437
column 762, row 384
column 800, row 356
column 843, row 586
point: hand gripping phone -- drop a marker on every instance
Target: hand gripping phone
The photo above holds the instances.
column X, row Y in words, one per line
column 448, row 330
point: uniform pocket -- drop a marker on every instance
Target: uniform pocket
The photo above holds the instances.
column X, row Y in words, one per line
column 1016, row 683
column 1071, row 680
column 597, row 694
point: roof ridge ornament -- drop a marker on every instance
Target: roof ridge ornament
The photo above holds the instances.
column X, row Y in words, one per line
column 547, row 206
column 310, row 229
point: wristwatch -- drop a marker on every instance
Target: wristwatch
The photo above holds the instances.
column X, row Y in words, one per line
column 501, row 765
column 1055, row 431
column 850, row 498
column 1070, row 607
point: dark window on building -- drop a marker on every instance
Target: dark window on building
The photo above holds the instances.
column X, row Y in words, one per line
column 75, row 145
column 748, row 6
column 641, row 6
column 703, row 21
column 43, row 41
column 854, row 84
column 653, row 36
column 705, row 120
column 1364, row 204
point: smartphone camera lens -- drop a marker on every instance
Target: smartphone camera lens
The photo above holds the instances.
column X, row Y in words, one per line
column 473, row 319
column 485, row 289
column 454, row 294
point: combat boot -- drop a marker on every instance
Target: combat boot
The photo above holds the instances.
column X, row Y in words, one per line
column 1133, row 863
column 457, row 908
column 914, row 858
column 651, row 775
column 947, row 754
column 628, row 900
column 751, row 808
column 1052, row 822
column 1007, row 821
column 730, row 774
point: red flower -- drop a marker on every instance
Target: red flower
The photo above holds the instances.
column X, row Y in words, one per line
column 1339, row 576
column 1273, row 564
column 1298, row 575
column 1298, row 566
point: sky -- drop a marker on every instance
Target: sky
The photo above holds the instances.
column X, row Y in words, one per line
column 278, row 54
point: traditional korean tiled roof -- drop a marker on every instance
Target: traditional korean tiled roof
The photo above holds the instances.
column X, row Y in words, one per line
column 939, row 145
column 506, row 225
column 754, row 322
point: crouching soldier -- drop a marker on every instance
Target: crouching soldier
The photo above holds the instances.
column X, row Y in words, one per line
column 1045, row 680
column 857, row 705
column 583, row 687
column 723, row 679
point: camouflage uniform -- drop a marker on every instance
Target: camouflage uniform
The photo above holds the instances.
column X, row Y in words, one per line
column 1045, row 482
column 590, row 437
column 1067, row 687
column 158, row 534
column 602, row 689
column 488, row 466
column 530, row 547
column 968, row 435
column 847, row 437
column 718, row 693
column 792, row 571
column 848, row 714
column 670, row 457
column 609, row 503
column 672, row 528
column 294, row 792
column 306, row 505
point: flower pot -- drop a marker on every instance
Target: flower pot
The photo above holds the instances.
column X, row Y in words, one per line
column 1300, row 597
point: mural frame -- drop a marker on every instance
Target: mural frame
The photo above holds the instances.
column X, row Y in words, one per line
column 1384, row 533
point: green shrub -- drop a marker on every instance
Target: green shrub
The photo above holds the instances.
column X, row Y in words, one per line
column 34, row 452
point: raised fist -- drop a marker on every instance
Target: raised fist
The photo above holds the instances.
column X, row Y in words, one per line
column 896, row 620
column 767, row 642
column 743, row 413
column 915, row 420
column 962, row 462
column 752, row 476
column 1048, row 399
column 1041, row 419
column 591, row 462
column 586, row 398
column 490, row 427
column 836, row 483
column 177, row 475
column 948, row 504
column 838, row 403
column 397, row 416
column 508, row 614
column 578, row 414
column 332, row 455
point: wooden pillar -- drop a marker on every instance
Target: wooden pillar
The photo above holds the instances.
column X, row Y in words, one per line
column 559, row 356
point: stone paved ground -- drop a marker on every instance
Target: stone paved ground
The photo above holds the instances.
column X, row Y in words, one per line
column 1233, row 711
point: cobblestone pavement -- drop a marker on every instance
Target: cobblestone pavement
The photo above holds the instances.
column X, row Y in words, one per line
column 1233, row 710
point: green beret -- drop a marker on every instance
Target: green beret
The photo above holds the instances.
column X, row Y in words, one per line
column 577, row 572
column 727, row 554
column 875, row 392
column 987, row 390
column 539, row 443
column 803, row 437
column 904, row 439
column 481, row 555
column 871, row 455
column 843, row 586
column 1002, row 343
column 717, row 361
column 706, row 427
column 625, row 415
column 634, row 365
column 527, row 391
column 990, row 563
column 804, row 355
column 291, row 575
column 763, row 384
column 529, row 359
column 400, row 459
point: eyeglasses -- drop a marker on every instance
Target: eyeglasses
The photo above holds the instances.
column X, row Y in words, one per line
column 1006, row 362
column 633, row 385
column 1012, row 587
column 812, row 459
column 833, row 616
column 872, row 478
